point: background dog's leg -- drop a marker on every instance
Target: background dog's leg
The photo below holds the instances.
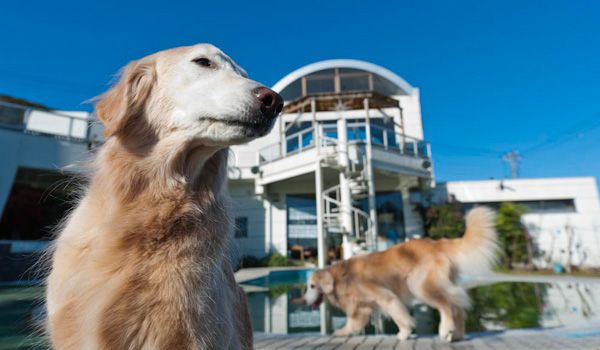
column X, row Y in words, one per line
column 436, row 298
column 459, row 323
column 438, row 291
column 356, row 321
column 391, row 304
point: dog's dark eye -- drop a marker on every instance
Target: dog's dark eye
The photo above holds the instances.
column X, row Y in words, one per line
column 312, row 286
column 203, row 62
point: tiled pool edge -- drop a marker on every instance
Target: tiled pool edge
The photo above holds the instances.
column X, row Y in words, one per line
column 245, row 275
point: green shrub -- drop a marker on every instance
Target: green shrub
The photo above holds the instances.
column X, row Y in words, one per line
column 512, row 235
column 445, row 220
column 276, row 259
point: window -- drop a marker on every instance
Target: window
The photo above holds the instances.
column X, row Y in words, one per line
column 12, row 116
column 390, row 215
column 302, row 220
column 355, row 83
column 536, row 206
column 298, row 136
column 319, row 85
column 241, row 227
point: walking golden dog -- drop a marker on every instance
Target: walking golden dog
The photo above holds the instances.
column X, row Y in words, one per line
column 142, row 262
column 423, row 269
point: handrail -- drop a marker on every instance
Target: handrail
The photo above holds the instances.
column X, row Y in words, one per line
column 357, row 215
column 382, row 137
column 45, row 122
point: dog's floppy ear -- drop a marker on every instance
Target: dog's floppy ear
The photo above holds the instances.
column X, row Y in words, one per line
column 327, row 282
column 127, row 98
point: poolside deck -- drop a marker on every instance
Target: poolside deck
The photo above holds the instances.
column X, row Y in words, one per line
column 587, row 338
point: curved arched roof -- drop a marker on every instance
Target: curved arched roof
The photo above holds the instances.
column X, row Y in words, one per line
column 402, row 84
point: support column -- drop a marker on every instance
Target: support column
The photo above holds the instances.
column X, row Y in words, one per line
column 268, row 224
column 370, row 178
column 345, row 191
column 321, row 246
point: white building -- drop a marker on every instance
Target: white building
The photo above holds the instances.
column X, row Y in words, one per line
column 344, row 163
column 346, row 152
column 563, row 214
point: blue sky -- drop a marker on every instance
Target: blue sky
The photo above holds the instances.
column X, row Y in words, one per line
column 494, row 75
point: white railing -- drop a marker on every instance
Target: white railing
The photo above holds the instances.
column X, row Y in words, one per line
column 361, row 220
column 37, row 121
column 299, row 141
column 381, row 137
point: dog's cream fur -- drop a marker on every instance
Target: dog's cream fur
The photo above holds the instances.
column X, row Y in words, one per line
column 142, row 262
column 424, row 269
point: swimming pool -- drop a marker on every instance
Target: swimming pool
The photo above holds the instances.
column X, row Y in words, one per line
column 274, row 308
column 496, row 307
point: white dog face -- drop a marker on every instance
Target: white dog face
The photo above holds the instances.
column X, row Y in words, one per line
column 319, row 284
column 197, row 91
column 312, row 294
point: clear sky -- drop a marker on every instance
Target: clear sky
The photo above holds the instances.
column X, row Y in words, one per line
column 494, row 75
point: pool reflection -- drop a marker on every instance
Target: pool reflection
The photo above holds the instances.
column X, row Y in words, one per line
column 499, row 306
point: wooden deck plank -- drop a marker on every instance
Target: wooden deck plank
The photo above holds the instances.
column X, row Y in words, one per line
column 546, row 340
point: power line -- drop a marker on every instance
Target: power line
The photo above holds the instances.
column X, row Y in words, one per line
column 587, row 124
column 469, row 150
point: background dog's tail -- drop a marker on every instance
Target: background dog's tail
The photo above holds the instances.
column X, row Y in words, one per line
column 477, row 251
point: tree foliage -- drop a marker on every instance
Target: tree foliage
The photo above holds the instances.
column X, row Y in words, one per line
column 447, row 221
column 512, row 235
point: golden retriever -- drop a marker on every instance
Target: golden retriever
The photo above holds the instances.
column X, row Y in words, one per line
column 142, row 262
column 424, row 269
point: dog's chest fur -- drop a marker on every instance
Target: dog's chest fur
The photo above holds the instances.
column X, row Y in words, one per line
column 148, row 272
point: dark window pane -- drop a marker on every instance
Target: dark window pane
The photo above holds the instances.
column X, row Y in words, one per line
column 292, row 91
column 377, row 136
column 241, row 227
column 386, row 87
column 317, row 86
column 354, row 83
column 11, row 116
column 292, row 145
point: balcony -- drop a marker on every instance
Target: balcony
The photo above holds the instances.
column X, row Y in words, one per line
column 71, row 126
column 296, row 153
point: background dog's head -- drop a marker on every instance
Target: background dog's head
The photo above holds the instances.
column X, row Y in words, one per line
column 196, row 93
column 319, row 284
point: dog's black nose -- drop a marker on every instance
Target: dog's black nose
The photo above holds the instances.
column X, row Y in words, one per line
column 271, row 103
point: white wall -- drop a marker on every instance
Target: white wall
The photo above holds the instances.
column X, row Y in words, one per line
column 245, row 204
column 550, row 230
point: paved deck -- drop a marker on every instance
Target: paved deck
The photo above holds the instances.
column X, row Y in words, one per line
column 587, row 338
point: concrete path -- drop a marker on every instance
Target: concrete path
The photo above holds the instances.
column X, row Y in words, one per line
column 584, row 338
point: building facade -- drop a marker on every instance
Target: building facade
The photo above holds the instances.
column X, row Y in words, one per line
column 336, row 173
column 344, row 170
column 563, row 214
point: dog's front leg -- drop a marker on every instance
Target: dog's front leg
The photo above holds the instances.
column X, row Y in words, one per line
column 356, row 321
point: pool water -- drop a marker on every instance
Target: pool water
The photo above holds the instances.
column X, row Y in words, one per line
column 276, row 309
column 495, row 307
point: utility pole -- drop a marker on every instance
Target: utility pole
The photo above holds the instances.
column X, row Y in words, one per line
column 513, row 158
